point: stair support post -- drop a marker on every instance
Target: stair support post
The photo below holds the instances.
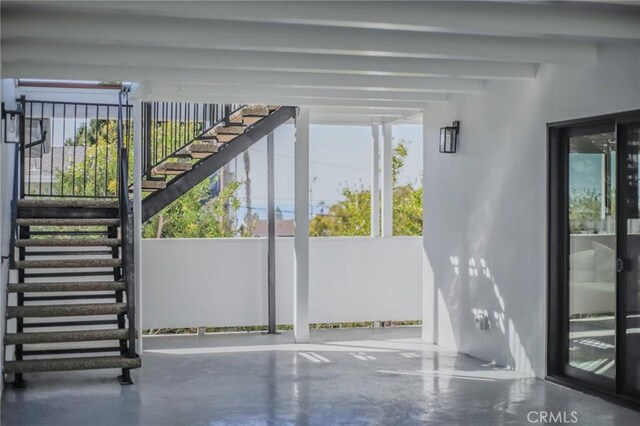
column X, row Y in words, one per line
column 23, row 142
column 18, row 381
column 148, row 161
column 301, row 239
column 387, row 181
column 136, row 222
column 117, row 276
column 375, row 180
column 271, row 243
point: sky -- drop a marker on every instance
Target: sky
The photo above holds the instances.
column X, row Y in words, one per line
column 339, row 155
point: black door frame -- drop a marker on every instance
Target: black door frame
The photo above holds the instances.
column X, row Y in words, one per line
column 557, row 251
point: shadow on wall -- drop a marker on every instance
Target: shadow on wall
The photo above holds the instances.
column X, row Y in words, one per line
column 486, row 243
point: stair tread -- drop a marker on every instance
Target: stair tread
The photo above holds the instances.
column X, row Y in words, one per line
column 69, row 202
column 154, row 184
column 207, row 137
column 66, row 336
column 67, row 364
column 171, row 168
column 69, row 242
column 44, row 311
column 67, row 222
column 255, row 110
column 249, row 120
column 174, row 165
column 236, row 119
column 68, row 263
column 66, row 286
column 203, row 147
column 230, row 130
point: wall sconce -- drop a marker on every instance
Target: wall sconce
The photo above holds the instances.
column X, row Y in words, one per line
column 11, row 126
column 449, row 138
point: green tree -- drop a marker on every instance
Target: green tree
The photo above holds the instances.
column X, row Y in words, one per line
column 407, row 210
column 584, row 211
column 352, row 215
column 194, row 215
column 349, row 217
column 197, row 215
column 91, row 167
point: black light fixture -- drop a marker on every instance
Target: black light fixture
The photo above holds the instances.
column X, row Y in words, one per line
column 11, row 125
column 449, row 138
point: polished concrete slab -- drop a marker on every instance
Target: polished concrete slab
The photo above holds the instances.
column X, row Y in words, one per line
column 354, row 377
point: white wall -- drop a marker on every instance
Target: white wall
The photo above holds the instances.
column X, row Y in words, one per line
column 485, row 224
column 223, row 282
column 6, row 179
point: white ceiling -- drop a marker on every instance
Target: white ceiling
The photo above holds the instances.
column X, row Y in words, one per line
column 369, row 60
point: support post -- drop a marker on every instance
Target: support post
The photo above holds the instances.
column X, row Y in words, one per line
column 137, row 214
column 430, row 308
column 271, row 244
column 387, row 181
column 301, row 239
column 375, row 180
column 148, row 116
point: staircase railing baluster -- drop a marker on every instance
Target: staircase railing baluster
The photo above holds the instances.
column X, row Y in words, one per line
column 181, row 124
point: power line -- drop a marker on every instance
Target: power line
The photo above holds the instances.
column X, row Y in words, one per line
column 316, row 161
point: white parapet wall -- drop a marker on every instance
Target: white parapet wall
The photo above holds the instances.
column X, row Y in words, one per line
column 223, row 282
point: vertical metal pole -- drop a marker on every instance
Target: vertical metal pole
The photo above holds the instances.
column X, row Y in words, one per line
column 227, row 112
column 137, row 215
column 146, row 153
column 387, row 181
column 301, row 239
column 22, row 141
column 375, row 180
column 271, row 250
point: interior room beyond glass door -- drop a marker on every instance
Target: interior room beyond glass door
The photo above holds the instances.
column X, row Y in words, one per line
column 591, row 285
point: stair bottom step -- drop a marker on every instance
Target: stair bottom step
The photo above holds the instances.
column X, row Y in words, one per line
column 69, row 364
column 65, row 336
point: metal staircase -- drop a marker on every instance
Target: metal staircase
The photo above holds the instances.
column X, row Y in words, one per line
column 70, row 302
column 70, row 305
column 207, row 152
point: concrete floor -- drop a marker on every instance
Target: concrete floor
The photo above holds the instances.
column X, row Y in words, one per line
column 364, row 376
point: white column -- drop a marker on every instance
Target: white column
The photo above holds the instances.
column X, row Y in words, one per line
column 137, row 214
column 301, row 239
column 387, row 181
column 430, row 140
column 375, row 180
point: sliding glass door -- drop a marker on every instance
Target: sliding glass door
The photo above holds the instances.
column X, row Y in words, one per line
column 592, row 247
column 594, row 253
column 629, row 301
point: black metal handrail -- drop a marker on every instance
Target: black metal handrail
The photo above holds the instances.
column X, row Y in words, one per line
column 169, row 127
column 14, row 205
column 126, row 224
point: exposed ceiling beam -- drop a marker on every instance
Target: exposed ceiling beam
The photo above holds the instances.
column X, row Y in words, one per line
column 481, row 18
column 392, row 112
column 282, row 100
column 77, row 53
column 193, row 33
column 229, row 78
column 257, row 91
column 351, row 119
